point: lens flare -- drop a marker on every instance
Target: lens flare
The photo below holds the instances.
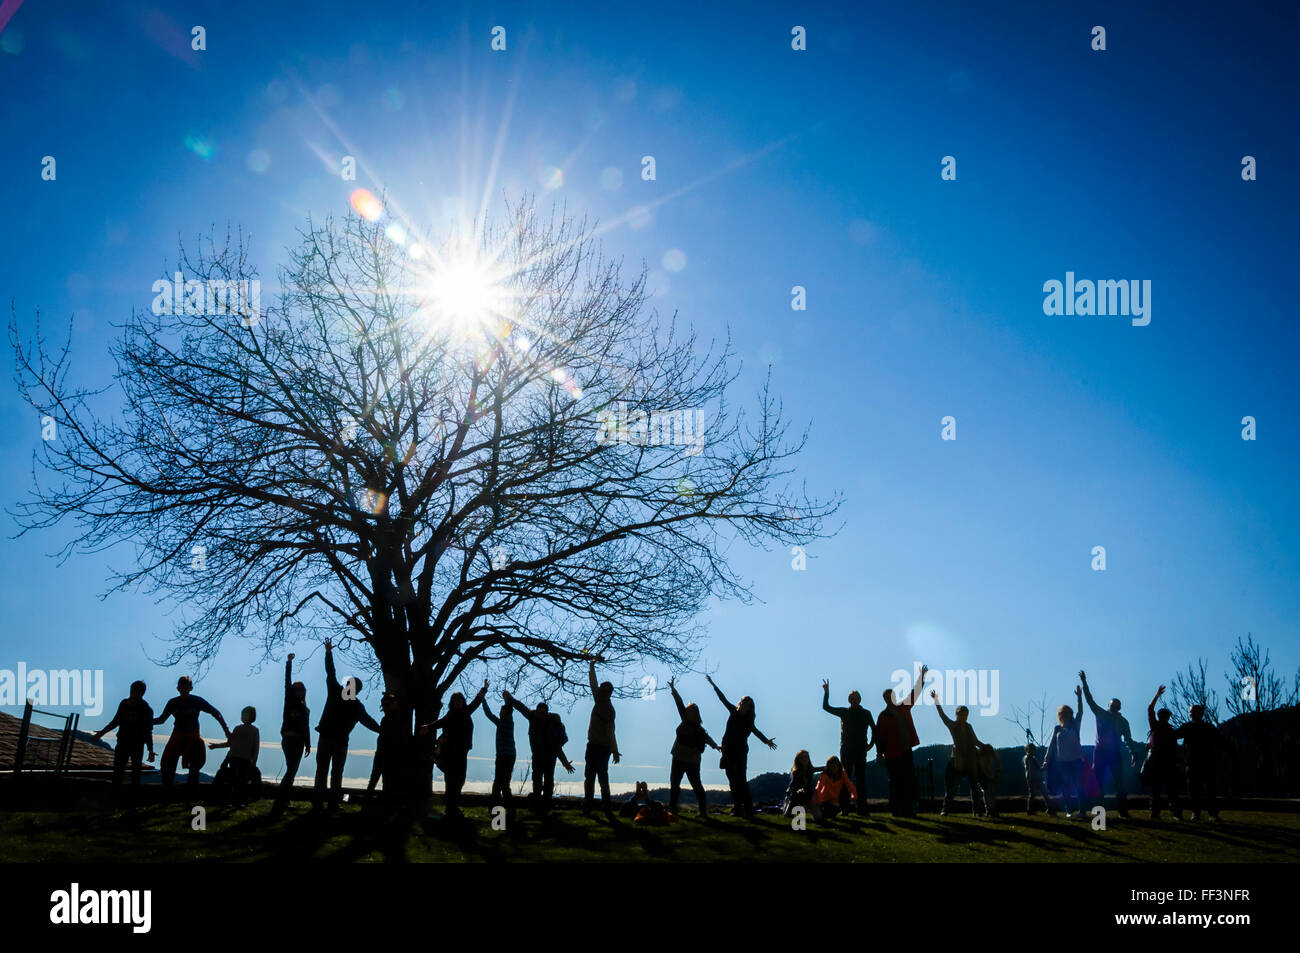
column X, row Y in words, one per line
column 366, row 205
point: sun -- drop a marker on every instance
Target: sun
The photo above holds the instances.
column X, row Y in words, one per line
column 464, row 294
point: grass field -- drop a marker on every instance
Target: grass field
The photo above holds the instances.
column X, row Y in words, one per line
column 248, row 834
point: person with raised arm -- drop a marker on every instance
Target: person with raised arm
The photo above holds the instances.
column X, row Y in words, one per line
column 601, row 743
column 185, row 743
column 295, row 734
column 895, row 729
column 505, row 751
column 964, row 761
column 1064, row 760
column 735, row 749
column 454, row 746
column 1114, row 741
column 688, row 749
column 546, row 740
column 1161, row 768
column 855, row 722
column 342, row 711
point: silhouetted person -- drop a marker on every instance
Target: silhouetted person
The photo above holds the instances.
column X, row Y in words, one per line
column 1202, row 743
column 1114, row 746
column 342, row 711
column 735, row 749
column 834, row 791
column 244, row 742
column 1161, row 768
column 1064, row 760
column 802, row 785
column 505, row 751
column 546, row 739
column 601, row 743
column 688, row 748
column 855, row 721
column 964, row 761
column 1035, row 783
column 392, row 750
column 185, row 743
column 295, row 734
column 134, row 723
column 895, row 738
column 457, row 728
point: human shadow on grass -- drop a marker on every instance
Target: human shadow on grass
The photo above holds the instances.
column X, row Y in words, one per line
column 996, row 835
column 1277, row 840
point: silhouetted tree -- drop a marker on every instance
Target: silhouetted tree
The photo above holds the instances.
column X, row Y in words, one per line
column 1032, row 720
column 1192, row 688
column 416, row 453
column 1253, row 683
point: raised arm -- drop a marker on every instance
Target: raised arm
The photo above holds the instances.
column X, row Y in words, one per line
column 939, row 708
column 916, row 689
column 518, row 706
column 1087, row 694
column 826, row 701
column 478, row 699
column 1156, row 697
column 331, row 677
column 677, row 699
column 591, row 676
column 288, row 683
column 721, row 697
column 487, row 710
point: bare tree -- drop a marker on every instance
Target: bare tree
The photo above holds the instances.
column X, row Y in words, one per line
column 1192, row 688
column 1253, row 684
column 1033, row 715
column 416, row 455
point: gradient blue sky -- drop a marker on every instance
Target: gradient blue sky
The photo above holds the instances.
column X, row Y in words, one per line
column 775, row 168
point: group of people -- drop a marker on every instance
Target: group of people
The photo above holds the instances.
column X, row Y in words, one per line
column 1059, row 776
column 841, row 784
column 1064, row 777
column 134, row 721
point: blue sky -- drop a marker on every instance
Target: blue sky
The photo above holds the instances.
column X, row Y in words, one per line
column 775, row 168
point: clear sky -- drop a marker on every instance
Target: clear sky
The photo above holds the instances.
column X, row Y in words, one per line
column 775, row 168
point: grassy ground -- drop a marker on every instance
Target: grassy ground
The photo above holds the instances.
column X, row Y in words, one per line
column 248, row 834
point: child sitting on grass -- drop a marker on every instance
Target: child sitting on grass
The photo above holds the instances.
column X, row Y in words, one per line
column 799, row 792
column 834, row 792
